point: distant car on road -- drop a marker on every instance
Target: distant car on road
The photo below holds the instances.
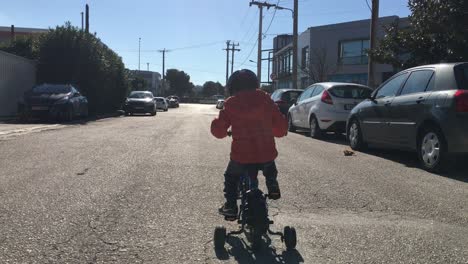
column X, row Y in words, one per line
column 423, row 109
column 53, row 101
column 220, row 104
column 140, row 102
column 324, row 107
column 285, row 98
column 161, row 103
column 173, row 101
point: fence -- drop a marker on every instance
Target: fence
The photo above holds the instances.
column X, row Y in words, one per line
column 17, row 75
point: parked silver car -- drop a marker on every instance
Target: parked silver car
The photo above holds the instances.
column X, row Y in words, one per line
column 161, row 103
column 423, row 109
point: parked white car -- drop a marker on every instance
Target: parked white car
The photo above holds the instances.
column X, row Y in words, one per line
column 161, row 103
column 324, row 107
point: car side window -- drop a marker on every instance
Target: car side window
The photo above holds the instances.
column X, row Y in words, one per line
column 274, row 95
column 417, row 82
column 306, row 94
column 391, row 88
column 430, row 85
column 317, row 91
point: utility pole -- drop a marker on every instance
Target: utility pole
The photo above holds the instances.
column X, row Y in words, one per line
column 233, row 50
column 163, row 51
column 87, row 19
column 295, row 37
column 82, row 21
column 139, row 52
column 147, row 66
column 228, row 44
column 12, row 33
column 373, row 33
column 260, row 35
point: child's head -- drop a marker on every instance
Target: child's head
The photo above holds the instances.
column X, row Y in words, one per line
column 242, row 80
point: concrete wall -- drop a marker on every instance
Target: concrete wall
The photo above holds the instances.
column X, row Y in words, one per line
column 17, row 75
column 330, row 37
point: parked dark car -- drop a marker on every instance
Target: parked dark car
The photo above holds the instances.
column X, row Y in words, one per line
column 140, row 102
column 53, row 101
column 423, row 109
column 173, row 101
column 285, row 98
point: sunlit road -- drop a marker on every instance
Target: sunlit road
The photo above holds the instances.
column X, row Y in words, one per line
column 146, row 190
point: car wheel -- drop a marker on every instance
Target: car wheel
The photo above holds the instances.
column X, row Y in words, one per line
column 290, row 238
column 432, row 149
column 153, row 113
column 291, row 127
column 165, row 110
column 355, row 136
column 85, row 111
column 69, row 114
column 219, row 237
column 315, row 131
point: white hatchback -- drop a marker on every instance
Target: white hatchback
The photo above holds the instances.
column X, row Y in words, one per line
column 324, row 107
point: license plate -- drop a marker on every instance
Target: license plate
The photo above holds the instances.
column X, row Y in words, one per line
column 39, row 108
column 139, row 107
column 349, row 106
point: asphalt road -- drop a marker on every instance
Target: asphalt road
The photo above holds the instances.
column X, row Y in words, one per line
column 146, row 190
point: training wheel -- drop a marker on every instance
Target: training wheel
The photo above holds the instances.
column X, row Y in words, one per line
column 290, row 239
column 219, row 237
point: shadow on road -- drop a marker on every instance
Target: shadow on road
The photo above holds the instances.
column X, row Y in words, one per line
column 338, row 139
column 242, row 253
column 457, row 168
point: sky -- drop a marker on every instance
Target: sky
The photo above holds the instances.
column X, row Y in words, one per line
column 195, row 32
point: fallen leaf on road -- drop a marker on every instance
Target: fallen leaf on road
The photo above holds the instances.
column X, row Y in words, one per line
column 348, row 152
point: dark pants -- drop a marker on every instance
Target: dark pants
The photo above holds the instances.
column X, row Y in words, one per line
column 235, row 170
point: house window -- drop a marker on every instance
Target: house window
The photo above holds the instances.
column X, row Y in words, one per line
column 354, row 52
column 305, row 57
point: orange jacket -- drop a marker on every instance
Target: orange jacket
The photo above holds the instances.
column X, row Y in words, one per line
column 254, row 120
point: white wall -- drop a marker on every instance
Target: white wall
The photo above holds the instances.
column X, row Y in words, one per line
column 17, row 75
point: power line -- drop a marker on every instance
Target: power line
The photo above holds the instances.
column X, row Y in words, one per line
column 272, row 18
column 368, row 5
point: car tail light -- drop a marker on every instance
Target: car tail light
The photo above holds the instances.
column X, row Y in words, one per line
column 326, row 98
column 461, row 100
column 280, row 102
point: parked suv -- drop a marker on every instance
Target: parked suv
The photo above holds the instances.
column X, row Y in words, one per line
column 423, row 109
column 324, row 107
column 285, row 98
column 140, row 102
column 53, row 101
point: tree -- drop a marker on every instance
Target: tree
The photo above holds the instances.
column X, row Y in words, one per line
column 179, row 83
column 27, row 47
column 139, row 84
column 68, row 55
column 212, row 88
column 319, row 68
column 436, row 34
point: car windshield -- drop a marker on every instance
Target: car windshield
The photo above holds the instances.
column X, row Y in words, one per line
column 51, row 89
column 140, row 95
column 350, row 92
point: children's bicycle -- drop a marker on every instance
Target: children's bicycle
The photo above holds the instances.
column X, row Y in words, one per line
column 253, row 217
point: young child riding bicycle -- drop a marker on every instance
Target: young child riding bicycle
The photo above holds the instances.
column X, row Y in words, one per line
column 255, row 121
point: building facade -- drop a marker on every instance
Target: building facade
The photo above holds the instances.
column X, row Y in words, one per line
column 9, row 33
column 336, row 52
column 153, row 80
column 17, row 75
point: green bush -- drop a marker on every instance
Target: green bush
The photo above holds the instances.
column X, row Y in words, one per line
column 71, row 56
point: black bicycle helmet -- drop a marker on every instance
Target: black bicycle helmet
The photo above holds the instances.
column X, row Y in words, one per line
column 242, row 80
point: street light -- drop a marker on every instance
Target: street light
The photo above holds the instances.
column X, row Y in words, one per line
column 285, row 8
column 253, row 61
